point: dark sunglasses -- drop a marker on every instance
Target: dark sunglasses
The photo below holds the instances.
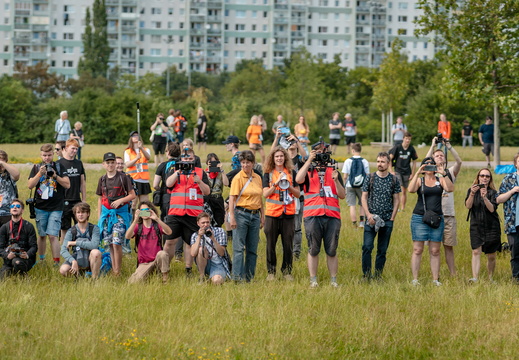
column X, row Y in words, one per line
column 485, row 176
column 18, row 206
column 57, row 149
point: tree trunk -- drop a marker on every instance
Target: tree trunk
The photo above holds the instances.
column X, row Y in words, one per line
column 389, row 127
column 497, row 136
column 383, row 134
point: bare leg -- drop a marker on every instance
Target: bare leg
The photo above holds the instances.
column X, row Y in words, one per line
column 217, row 280
column 403, row 198
column 353, row 213
column 169, row 247
column 95, row 259
column 476, row 262
column 491, row 258
column 449, row 259
column 201, row 263
column 187, row 255
column 54, row 246
column 416, row 258
column 42, row 245
column 116, row 252
column 313, row 263
column 333, row 265
column 434, row 253
column 65, row 270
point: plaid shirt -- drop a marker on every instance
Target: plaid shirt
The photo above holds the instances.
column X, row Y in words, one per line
column 509, row 207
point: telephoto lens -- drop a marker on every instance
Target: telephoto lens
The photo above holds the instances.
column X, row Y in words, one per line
column 208, row 233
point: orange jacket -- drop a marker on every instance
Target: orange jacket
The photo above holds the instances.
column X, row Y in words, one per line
column 139, row 171
column 445, row 129
column 273, row 206
column 317, row 205
column 180, row 203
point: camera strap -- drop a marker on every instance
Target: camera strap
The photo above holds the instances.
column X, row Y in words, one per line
column 19, row 229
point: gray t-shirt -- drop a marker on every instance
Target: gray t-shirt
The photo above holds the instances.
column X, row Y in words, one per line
column 335, row 133
column 448, row 198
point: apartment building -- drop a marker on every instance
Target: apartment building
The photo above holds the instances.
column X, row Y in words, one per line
column 207, row 35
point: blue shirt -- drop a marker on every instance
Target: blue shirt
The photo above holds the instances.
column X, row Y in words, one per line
column 487, row 132
column 510, row 206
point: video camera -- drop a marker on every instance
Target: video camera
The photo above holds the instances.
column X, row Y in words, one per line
column 323, row 159
column 31, row 202
column 185, row 166
column 439, row 138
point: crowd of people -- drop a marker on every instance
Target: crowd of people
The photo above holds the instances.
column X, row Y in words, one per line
column 187, row 212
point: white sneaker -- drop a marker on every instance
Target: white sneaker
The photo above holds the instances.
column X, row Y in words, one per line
column 415, row 283
column 473, row 280
column 313, row 284
column 271, row 277
column 361, row 224
column 436, row 283
column 334, row 284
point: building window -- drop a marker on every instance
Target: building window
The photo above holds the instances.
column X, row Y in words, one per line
column 156, row 11
column 239, row 27
column 239, row 40
column 181, row 52
column 142, row 24
column 402, row 31
column 68, row 36
column 322, row 29
column 239, row 54
column 322, row 55
column 264, row 55
column 402, row 19
column 156, row 24
column 254, row 14
column 155, row 52
column 68, row 50
column 323, row 42
column 253, row 41
column 425, row 45
column 226, row 53
column 240, row 13
column 170, row 11
column 402, row 5
column 155, row 39
column 254, row 27
column 68, row 64
column 53, row 63
column 264, row 41
column 265, row 14
column 323, row 16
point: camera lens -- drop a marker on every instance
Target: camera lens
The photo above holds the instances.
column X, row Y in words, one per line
column 208, row 233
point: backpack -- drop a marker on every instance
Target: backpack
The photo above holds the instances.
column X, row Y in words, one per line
column 138, row 234
column 183, row 124
column 82, row 254
column 357, row 173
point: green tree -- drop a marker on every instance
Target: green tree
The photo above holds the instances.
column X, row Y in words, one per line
column 43, row 83
column 16, row 104
column 96, row 50
column 481, row 41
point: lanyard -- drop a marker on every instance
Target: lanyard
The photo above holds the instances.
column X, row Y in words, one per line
column 19, row 229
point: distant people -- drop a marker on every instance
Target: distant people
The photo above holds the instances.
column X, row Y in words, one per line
column 380, row 202
column 486, row 138
column 403, row 165
column 77, row 190
column 163, row 171
column 232, row 144
column 170, row 121
column 485, row 227
column 160, row 132
column 430, row 190
column 77, row 133
column 115, row 191
column 246, row 217
column 350, row 131
column 201, row 127
column 302, row 131
column 208, row 248
column 180, row 126
column 50, row 181
column 136, row 158
column 467, row 133
column 281, row 192
column 263, row 123
column 119, row 164
column 18, row 245
column 398, row 130
column 508, row 196
column 217, row 180
column 444, row 127
column 148, row 228
column 335, row 127
column 355, row 170
column 278, row 123
column 62, row 127
column 9, row 175
column 83, row 241
column 254, row 137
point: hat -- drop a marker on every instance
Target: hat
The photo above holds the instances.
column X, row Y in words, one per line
column 109, row 156
column 347, row 115
column 133, row 133
column 231, row 139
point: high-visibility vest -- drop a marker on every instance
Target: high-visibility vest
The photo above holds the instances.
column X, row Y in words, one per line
column 319, row 203
column 273, row 206
column 180, row 203
column 139, row 170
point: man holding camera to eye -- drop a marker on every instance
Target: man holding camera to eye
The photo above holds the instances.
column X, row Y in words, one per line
column 208, row 249
column 187, row 186
column 159, row 130
column 18, row 243
column 9, row 175
column 322, row 213
column 449, row 233
column 50, row 182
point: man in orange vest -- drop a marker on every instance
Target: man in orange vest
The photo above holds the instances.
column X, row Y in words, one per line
column 322, row 214
column 187, row 186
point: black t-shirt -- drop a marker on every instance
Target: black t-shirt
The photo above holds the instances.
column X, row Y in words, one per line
column 115, row 187
column 74, row 169
column 164, row 170
column 402, row 158
column 433, row 198
column 466, row 130
column 49, row 194
column 200, row 123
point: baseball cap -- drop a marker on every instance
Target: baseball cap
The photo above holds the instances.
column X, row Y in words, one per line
column 231, row 139
column 133, row 133
column 109, row 156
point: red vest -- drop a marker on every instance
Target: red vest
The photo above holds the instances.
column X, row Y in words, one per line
column 132, row 170
column 273, row 206
column 180, row 204
column 317, row 205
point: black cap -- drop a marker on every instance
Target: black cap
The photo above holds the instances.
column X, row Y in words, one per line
column 133, row 133
column 231, row 139
column 109, row 156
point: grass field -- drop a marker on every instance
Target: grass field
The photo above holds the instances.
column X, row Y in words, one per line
column 49, row 317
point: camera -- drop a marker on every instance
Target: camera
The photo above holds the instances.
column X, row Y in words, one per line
column 429, row 168
column 323, row 158
column 213, row 166
column 284, row 143
column 50, row 170
column 208, row 233
column 439, row 138
column 31, row 202
column 185, row 166
column 15, row 248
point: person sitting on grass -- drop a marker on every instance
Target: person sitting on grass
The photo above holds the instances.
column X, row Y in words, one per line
column 147, row 228
column 208, row 248
column 83, row 240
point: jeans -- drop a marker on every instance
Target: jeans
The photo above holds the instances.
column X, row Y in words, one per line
column 48, row 222
column 245, row 238
column 384, row 235
column 467, row 140
column 298, row 235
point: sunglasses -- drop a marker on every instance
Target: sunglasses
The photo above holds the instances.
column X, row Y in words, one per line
column 57, row 149
column 17, row 206
column 485, row 176
column 145, row 209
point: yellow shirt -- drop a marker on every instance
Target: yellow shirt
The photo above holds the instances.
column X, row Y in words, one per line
column 252, row 196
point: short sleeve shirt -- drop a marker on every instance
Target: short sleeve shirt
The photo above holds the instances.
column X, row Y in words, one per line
column 116, row 187
column 254, row 132
column 402, row 158
column 252, row 196
column 49, row 194
column 487, row 132
column 335, row 133
column 380, row 194
column 350, row 127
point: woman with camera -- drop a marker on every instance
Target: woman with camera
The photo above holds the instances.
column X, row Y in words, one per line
column 301, row 130
column 246, row 217
column 281, row 192
column 136, row 158
column 485, row 229
column 427, row 221
column 159, row 137
column 217, row 180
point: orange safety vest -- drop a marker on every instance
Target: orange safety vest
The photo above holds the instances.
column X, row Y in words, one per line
column 179, row 203
column 273, row 206
column 142, row 163
column 317, row 205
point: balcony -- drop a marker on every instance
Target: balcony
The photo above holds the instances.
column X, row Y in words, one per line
column 41, row 13
column 364, row 63
column 113, row 14
column 22, row 54
column 128, row 28
column 22, row 26
column 39, row 56
column 214, row 18
column 214, row 4
column 298, row 20
column 40, row 28
column 214, row 59
column 129, row 2
column 214, row 31
column 22, row 12
column 196, row 45
column 113, row 42
column 198, row 5
column 362, row 22
column 128, row 57
column 40, row 1
column 378, row 36
column 280, row 6
column 381, row 49
column 113, row 56
column 379, row 22
column 280, row 20
column 197, row 18
column 280, row 47
column 214, row 46
column 21, row 40
column 362, row 49
column 40, row 41
column 297, row 34
column 197, row 31
column 281, row 33
column 362, row 35
column 128, row 43
column 363, row 9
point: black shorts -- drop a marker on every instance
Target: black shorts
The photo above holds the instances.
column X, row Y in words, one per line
column 181, row 226
column 334, row 141
column 143, row 188
column 202, row 139
column 159, row 148
column 321, row 229
column 67, row 217
column 349, row 140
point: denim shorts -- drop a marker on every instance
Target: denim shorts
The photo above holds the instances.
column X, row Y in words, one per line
column 212, row 269
column 48, row 222
column 423, row 232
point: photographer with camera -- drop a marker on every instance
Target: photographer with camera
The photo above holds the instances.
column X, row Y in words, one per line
column 159, row 181
column 83, row 240
column 214, row 201
column 187, row 186
column 159, row 131
column 9, row 175
column 322, row 214
column 50, row 182
column 18, row 243
column 208, row 248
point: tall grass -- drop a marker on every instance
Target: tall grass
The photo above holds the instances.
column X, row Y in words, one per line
column 46, row 316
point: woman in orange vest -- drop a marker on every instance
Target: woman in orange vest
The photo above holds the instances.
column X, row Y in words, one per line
column 281, row 191
column 254, row 137
column 136, row 158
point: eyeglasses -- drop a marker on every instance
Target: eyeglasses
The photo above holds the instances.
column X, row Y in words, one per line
column 57, row 149
column 18, row 206
column 145, row 209
column 484, row 176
